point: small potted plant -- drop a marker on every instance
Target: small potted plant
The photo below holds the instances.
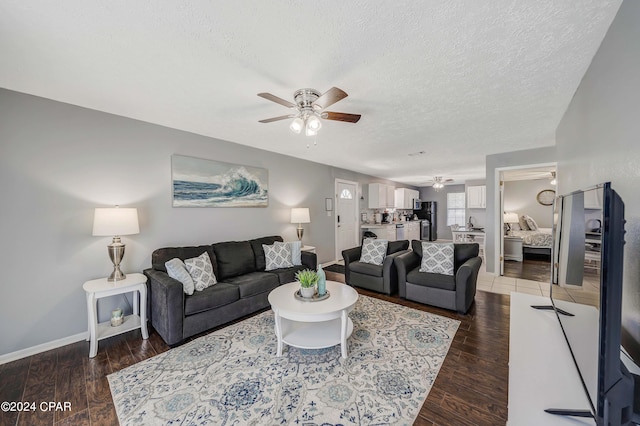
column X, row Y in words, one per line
column 308, row 280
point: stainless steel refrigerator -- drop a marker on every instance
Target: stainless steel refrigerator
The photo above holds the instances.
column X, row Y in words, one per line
column 428, row 215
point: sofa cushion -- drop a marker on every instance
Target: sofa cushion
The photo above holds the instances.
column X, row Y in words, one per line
column 288, row 275
column 210, row 298
column 277, row 255
column 234, row 258
column 160, row 256
column 177, row 270
column 437, row 258
column 254, row 283
column 366, row 268
column 373, row 251
column 201, row 271
column 427, row 279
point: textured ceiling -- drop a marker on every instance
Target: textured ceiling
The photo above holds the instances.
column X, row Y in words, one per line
column 456, row 79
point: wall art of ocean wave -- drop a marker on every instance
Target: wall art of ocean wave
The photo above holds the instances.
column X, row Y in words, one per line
column 237, row 188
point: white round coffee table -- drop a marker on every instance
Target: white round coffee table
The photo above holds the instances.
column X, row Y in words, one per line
column 313, row 325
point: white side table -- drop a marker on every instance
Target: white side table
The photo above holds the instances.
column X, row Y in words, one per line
column 310, row 249
column 100, row 288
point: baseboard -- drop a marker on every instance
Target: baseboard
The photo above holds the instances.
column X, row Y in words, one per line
column 23, row 353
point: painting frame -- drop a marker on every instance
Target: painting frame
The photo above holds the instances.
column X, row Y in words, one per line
column 199, row 182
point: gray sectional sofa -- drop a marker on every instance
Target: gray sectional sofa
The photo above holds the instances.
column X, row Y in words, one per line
column 242, row 288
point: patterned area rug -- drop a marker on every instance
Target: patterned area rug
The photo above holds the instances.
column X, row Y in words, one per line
column 232, row 376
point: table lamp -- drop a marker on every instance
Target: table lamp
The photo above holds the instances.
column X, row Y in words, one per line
column 300, row 216
column 115, row 221
column 510, row 218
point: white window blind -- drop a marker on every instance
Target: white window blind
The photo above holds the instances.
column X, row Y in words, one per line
column 455, row 208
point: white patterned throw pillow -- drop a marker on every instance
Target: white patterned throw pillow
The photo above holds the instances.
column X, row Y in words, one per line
column 177, row 270
column 437, row 258
column 201, row 271
column 277, row 255
column 373, row 251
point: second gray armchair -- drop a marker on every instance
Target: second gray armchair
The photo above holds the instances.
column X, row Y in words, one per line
column 455, row 292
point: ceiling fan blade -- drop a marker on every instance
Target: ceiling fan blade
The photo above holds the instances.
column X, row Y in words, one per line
column 330, row 97
column 273, row 98
column 282, row 117
column 341, row 116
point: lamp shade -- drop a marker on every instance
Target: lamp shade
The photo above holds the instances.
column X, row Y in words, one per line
column 300, row 215
column 511, row 217
column 115, row 221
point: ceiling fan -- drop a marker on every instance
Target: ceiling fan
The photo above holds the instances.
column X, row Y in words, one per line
column 439, row 181
column 310, row 105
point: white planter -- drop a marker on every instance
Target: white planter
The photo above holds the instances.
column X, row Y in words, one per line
column 307, row 292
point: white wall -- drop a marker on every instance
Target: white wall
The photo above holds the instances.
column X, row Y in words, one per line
column 598, row 140
column 520, row 197
column 58, row 162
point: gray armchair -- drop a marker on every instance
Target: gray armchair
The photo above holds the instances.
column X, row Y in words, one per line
column 455, row 292
column 383, row 278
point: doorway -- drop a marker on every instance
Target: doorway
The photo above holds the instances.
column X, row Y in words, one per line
column 346, row 218
column 527, row 221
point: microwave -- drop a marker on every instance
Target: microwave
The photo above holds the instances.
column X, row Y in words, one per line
column 417, row 204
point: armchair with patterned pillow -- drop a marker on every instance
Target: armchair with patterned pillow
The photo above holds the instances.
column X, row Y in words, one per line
column 371, row 265
column 439, row 274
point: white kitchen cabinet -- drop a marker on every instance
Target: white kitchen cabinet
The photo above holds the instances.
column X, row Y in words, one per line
column 381, row 196
column 412, row 230
column 391, row 196
column 477, row 197
column 404, row 198
column 389, row 233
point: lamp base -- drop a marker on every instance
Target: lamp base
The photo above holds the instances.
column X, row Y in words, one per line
column 300, row 231
column 116, row 253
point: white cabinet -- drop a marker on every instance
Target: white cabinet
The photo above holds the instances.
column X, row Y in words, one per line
column 593, row 199
column 405, row 197
column 412, row 230
column 388, row 233
column 513, row 248
column 381, row 196
column 477, row 197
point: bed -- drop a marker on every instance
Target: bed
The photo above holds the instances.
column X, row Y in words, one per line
column 535, row 242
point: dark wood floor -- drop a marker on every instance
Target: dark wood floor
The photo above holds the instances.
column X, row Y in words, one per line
column 533, row 267
column 471, row 388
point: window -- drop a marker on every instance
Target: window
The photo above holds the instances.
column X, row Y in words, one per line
column 455, row 209
column 346, row 194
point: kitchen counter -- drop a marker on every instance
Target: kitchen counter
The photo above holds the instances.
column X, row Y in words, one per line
column 382, row 225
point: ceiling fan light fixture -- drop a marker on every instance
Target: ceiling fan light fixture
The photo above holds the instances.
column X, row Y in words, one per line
column 296, row 125
column 314, row 123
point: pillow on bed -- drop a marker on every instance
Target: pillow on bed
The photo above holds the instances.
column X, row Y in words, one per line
column 533, row 226
column 523, row 223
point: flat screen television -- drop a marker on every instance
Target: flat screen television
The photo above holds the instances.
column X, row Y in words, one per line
column 586, row 293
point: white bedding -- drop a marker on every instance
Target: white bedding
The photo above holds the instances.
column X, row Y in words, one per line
column 540, row 238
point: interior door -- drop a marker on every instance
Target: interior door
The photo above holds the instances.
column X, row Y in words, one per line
column 346, row 216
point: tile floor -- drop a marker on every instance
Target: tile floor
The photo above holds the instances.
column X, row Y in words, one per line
column 505, row 285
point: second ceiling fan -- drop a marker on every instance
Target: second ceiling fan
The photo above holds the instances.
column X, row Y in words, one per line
column 310, row 106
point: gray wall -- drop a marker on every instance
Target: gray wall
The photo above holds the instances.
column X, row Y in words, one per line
column 430, row 194
column 58, row 162
column 598, row 140
column 515, row 159
column 520, row 197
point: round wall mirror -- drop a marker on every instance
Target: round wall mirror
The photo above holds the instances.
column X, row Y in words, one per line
column 546, row 197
